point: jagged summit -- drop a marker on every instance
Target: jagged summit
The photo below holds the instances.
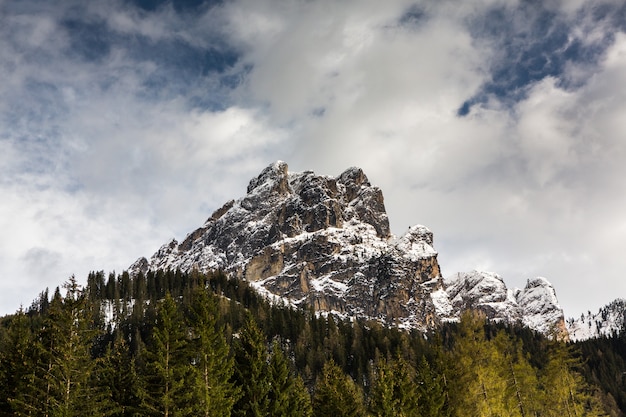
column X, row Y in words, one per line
column 535, row 306
column 325, row 242
column 314, row 240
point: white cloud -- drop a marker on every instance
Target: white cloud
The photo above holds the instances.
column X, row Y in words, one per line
column 102, row 162
column 173, row 164
column 517, row 191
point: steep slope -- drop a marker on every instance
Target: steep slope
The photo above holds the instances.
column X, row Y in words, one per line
column 325, row 242
column 608, row 320
column 535, row 306
column 316, row 241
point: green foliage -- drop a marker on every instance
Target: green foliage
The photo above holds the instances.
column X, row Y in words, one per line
column 213, row 392
column 605, row 365
column 431, row 389
column 117, row 371
column 192, row 344
column 16, row 367
column 564, row 390
column 252, row 372
column 395, row 391
column 336, row 394
column 167, row 368
column 61, row 381
column 288, row 395
column 477, row 387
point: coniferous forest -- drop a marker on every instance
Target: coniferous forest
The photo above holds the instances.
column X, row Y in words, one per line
column 190, row 344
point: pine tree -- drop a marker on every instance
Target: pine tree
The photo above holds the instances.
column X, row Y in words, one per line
column 477, row 387
column 287, row 395
column 252, row 371
column 62, row 381
column 566, row 394
column 118, row 372
column 167, row 366
column 16, row 364
column 336, row 394
column 394, row 392
column 213, row 368
column 522, row 388
column 431, row 390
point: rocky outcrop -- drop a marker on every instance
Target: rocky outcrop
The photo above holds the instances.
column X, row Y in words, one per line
column 484, row 291
column 325, row 242
column 540, row 309
column 316, row 241
column 535, row 306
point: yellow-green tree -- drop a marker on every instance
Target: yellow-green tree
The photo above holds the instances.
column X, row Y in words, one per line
column 565, row 393
column 478, row 388
column 521, row 396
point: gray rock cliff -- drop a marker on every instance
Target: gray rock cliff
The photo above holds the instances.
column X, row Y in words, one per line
column 315, row 241
column 325, row 242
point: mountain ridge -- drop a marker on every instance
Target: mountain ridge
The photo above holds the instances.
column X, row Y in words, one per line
column 610, row 319
column 325, row 242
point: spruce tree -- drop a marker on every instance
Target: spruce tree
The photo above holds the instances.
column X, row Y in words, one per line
column 62, row 382
column 118, row 372
column 287, row 395
column 336, row 394
column 17, row 364
column 166, row 365
column 214, row 392
column 431, row 390
column 394, row 392
column 252, row 374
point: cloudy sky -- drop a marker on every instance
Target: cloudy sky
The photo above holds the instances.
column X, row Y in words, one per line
column 500, row 125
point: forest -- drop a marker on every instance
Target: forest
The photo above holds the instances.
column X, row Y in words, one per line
column 170, row 343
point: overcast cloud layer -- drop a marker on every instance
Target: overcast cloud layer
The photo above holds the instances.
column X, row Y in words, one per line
column 498, row 124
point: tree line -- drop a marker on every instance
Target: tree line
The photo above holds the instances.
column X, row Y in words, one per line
column 169, row 343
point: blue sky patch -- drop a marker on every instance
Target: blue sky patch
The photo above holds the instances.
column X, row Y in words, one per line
column 530, row 43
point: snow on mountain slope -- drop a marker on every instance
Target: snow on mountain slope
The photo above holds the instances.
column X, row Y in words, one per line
column 315, row 240
column 483, row 291
column 610, row 319
column 325, row 242
column 540, row 309
column 535, row 306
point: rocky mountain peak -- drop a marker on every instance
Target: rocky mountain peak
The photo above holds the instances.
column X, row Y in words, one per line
column 535, row 306
column 353, row 179
column 274, row 178
column 540, row 308
column 325, row 242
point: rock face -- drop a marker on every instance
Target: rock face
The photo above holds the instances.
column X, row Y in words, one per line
column 315, row 241
column 535, row 306
column 325, row 242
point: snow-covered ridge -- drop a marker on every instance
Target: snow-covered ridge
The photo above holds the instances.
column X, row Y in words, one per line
column 534, row 306
column 325, row 242
column 610, row 319
column 315, row 240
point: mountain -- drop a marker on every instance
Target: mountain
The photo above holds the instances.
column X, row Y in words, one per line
column 324, row 242
column 608, row 320
column 535, row 306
